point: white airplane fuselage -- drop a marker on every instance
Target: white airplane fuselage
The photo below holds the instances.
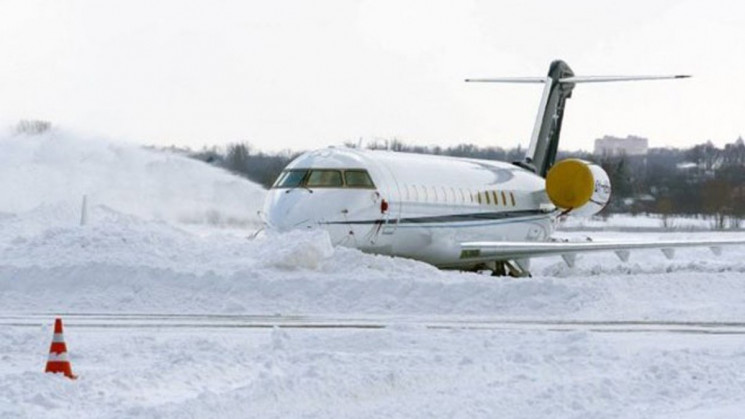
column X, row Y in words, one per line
column 417, row 206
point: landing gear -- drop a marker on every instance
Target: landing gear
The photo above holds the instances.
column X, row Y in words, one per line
column 515, row 269
column 499, row 269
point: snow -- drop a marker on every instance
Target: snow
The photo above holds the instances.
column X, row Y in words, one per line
column 121, row 263
column 158, row 288
column 279, row 373
column 57, row 168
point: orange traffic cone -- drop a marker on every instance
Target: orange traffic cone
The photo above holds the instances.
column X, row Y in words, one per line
column 58, row 361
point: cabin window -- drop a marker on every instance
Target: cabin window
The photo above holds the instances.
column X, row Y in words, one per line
column 488, row 201
column 358, row 179
column 512, row 198
column 324, row 178
column 291, row 178
column 423, row 196
column 478, row 195
column 494, row 195
column 504, row 199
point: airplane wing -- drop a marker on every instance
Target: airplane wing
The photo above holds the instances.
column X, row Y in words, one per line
column 505, row 251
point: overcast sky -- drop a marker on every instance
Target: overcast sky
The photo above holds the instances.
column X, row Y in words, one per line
column 305, row 74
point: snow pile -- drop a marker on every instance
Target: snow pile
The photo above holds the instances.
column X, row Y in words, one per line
column 122, row 263
column 57, row 168
column 300, row 251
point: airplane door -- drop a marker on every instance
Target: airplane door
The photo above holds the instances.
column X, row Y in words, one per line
column 391, row 194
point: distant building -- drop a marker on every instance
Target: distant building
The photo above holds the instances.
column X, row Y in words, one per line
column 614, row 146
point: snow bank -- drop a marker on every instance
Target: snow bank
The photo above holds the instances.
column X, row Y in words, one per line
column 57, row 168
column 122, row 263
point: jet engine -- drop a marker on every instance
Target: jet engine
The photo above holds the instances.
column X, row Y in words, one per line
column 578, row 187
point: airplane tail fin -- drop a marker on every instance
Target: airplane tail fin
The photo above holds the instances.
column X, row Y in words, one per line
column 559, row 83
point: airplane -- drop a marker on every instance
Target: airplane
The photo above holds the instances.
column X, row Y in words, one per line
column 458, row 213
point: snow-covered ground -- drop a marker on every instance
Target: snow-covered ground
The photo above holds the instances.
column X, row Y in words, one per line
column 392, row 372
column 159, row 297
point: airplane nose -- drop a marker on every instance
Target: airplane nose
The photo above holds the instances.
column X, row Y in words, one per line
column 292, row 220
column 287, row 210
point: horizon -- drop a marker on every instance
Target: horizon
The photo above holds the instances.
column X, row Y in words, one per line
column 517, row 146
column 37, row 127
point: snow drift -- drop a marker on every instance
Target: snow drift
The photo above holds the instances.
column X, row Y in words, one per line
column 57, row 168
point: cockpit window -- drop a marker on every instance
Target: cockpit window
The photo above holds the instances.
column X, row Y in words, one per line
column 324, row 178
column 279, row 180
column 290, row 179
column 358, row 179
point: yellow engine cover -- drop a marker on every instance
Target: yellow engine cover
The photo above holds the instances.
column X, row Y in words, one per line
column 578, row 185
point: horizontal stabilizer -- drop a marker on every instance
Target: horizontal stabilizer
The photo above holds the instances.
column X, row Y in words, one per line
column 603, row 79
column 576, row 79
column 511, row 80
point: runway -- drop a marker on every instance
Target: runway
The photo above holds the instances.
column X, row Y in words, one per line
column 320, row 322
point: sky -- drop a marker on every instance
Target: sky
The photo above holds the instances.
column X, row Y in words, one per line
column 299, row 75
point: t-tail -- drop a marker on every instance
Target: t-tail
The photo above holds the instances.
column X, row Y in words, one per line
column 559, row 84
